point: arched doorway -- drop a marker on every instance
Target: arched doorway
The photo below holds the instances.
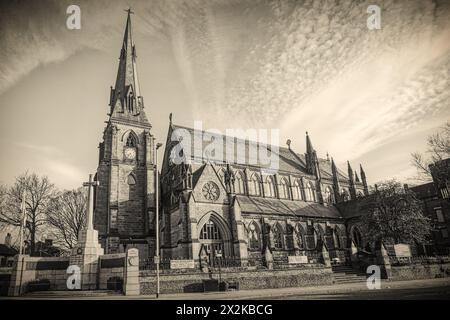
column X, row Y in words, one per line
column 214, row 236
column 211, row 240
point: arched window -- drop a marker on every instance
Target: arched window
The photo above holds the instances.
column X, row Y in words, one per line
column 310, row 192
column 239, row 183
column 356, row 237
column 211, row 239
column 210, row 231
column 318, row 237
column 328, row 195
column 297, row 190
column 130, row 102
column 254, row 239
column 289, row 237
column 131, row 181
column 222, row 175
column 337, row 240
column 255, row 185
column 299, row 236
column 277, row 236
column 284, row 189
column 131, row 141
column 269, row 187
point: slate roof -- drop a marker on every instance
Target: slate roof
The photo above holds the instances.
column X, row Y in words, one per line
column 271, row 206
column 357, row 207
column 289, row 161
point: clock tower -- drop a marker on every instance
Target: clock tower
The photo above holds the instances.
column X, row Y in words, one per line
column 124, row 200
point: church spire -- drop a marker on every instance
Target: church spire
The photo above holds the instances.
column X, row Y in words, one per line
column 363, row 179
column 309, row 147
column 125, row 98
column 310, row 156
column 336, row 186
column 351, row 181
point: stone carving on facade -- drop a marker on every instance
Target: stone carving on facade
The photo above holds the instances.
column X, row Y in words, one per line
column 210, row 191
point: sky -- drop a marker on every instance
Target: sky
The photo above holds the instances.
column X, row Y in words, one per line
column 367, row 96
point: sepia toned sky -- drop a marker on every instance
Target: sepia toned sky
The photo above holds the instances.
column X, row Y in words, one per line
column 368, row 96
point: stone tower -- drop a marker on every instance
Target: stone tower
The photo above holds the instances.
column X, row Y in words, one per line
column 124, row 199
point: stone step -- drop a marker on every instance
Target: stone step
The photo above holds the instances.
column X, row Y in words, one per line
column 74, row 293
column 360, row 274
column 350, row 281
column 349, row 277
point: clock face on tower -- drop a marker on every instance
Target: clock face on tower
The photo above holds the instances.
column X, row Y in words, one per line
column 130, row 153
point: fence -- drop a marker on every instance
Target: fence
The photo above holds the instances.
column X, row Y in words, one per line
column 401, row 261
column 279, row 262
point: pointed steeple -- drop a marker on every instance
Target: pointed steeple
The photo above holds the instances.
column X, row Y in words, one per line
column 310, row 156
column 351, row 181
column 356, row 177
column 350, row 171
column 125, row 99
column 363, row 179
column 309, row 147
column 336, row 186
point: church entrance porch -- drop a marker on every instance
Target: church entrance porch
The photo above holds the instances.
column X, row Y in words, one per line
column 214, row 238
column 211, row 241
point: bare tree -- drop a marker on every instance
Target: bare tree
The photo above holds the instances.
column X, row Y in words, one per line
column 67, row 216
column 38, row 192
column 438, row 148
column 396, row 215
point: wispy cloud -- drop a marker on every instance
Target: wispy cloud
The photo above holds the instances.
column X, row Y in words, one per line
column 52, row 162
column 296, row 65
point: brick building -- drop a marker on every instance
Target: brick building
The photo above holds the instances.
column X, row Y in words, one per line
column 436, row 202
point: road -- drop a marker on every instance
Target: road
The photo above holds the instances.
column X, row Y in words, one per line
column 426, row 293
column 414, row 289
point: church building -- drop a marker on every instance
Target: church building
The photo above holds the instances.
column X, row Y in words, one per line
column 241, row 211
column 124, row 200
column 232, row 209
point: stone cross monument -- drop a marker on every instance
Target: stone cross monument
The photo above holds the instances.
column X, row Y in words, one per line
column 87, row 251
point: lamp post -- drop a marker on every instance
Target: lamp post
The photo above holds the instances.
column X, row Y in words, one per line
column 22, row 222
column 157, row 256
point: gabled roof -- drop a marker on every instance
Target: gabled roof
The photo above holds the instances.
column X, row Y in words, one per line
column 289, row 161
column 196, row 175
column 357, row 207
column 272, row 206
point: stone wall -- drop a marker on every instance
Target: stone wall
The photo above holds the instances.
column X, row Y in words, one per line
column 27, row 269
column 420, row 271
column 111, row 266
column 248, row 280
column 5, row 277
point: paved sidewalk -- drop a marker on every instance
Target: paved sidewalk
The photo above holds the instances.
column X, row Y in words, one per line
column 337, row 291
column 304, row 291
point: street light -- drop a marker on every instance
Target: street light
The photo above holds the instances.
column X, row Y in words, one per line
column 157, row 257
column 22, row 222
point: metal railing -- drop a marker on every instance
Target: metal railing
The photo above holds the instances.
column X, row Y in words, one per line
column 401, row 261
column 279, row 262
